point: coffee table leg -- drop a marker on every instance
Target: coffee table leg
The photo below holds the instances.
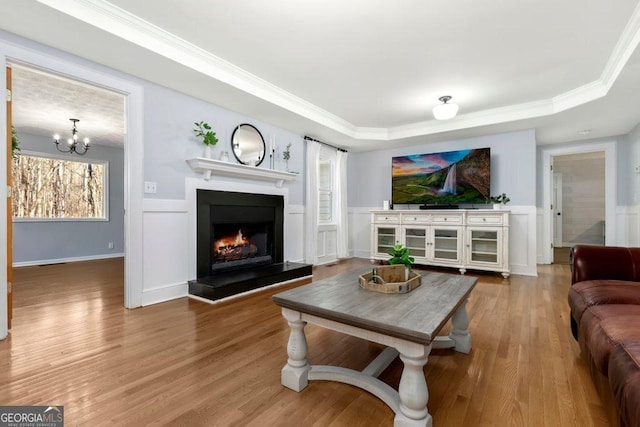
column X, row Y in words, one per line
column 460, row 333
column 413, row 389
column 295, row 374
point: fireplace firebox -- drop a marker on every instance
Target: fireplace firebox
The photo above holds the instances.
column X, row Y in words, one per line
column 240, row 244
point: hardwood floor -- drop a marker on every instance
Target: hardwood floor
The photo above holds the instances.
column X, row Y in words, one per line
column 188, row 363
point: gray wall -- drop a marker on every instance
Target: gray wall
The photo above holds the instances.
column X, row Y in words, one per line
column 34, row 241
column 513, row 168
column 169, row 140
column 629, row 159
column 628, row 149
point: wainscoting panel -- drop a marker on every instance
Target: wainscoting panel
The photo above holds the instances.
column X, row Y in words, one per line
column 360, row 232
column 326, row 244
column 522, row 243
column 293, row 234
column 165, row 252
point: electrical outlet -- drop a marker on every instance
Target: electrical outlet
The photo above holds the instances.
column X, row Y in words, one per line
column 110, row 244
column 149, row 187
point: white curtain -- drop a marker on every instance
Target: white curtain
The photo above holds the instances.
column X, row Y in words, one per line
column 342, row 241
column 311, row 205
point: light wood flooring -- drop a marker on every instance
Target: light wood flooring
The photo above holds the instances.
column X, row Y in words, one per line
column 187, row 363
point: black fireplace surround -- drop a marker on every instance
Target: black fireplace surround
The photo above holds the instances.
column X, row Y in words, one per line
column 239, row 244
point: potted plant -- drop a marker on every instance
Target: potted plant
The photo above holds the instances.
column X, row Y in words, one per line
column 500, row 200
column 209, row 139
column 286, row 155
column 400, row 255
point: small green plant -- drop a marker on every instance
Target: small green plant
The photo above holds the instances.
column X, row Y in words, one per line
column 400, row 255
column 286, row 154
column 203, row 130
column 502, row 199
column 15, row 143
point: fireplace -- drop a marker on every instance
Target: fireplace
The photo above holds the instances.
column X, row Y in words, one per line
column 240, row 243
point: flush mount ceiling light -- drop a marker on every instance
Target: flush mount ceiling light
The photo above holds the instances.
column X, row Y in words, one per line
column 72, row 145
column 445, row 111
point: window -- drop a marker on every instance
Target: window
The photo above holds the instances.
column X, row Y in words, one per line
column 47, row 187
column 325, row 190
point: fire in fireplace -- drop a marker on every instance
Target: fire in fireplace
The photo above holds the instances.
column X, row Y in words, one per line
column 248, row 245
column 233, row 248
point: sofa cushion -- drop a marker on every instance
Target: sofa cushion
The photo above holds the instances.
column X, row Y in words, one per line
column 624, row 377
column 591, row 262
column 602, row 327
column 585, row 294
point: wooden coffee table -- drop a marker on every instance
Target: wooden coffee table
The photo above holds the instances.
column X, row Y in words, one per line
column 406, row 323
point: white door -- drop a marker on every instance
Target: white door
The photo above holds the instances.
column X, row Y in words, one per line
column 557, row 210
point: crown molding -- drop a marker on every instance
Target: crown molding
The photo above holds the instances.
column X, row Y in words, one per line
column 112, row 19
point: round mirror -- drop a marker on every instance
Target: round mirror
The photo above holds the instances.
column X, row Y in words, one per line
column 247, row 145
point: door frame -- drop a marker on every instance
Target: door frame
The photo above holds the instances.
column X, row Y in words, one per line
column 83, row 70
column 557, row 207
column 611, row 195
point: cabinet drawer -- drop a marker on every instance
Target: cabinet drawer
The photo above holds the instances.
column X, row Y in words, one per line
column 415, row 219
column 446, row 219
column 386, row 218
column 484, row 220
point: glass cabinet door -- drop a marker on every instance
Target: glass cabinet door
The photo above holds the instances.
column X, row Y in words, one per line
column 415, row 239
column 386, row 238
column 446, row 244
column 484, row 246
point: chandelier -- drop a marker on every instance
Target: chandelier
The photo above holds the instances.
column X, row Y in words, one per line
column 72, row 145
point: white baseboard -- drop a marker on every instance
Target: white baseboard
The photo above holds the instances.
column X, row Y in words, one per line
column 164, row 293
column 65, row 260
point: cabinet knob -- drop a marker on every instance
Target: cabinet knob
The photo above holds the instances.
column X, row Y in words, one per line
column 386, row 217
column 467, row 245
column 415, row 219
column 445, row 219
column 484, row 219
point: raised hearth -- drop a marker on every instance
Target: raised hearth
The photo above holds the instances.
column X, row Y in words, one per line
column 238, row 281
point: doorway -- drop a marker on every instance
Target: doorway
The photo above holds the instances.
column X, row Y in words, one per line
column 133, row 158
column 68, row 205
column 596, row 232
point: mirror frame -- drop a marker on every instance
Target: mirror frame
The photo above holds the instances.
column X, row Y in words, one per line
column 264, row 145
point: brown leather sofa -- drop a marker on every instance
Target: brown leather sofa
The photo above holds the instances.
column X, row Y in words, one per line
column 605, row 319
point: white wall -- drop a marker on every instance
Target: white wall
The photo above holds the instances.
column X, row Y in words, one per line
column 50, row 241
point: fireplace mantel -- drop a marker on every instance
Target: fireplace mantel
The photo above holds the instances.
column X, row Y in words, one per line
column 217, row 167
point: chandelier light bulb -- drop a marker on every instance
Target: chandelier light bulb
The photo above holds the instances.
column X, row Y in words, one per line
column 56, row 137
column 445, row 111
column 70, row 141
column 86, row 141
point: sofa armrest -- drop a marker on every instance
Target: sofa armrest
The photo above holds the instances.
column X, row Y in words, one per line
column 604, row 263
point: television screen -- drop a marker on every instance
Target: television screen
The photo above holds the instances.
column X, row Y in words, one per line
column 449, row 178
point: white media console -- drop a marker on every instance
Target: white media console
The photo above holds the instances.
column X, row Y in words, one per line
column 475, row 239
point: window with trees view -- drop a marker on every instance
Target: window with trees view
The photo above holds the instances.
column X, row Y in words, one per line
column 54, row 188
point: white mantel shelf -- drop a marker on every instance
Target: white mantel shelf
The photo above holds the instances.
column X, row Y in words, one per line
column 217, row 167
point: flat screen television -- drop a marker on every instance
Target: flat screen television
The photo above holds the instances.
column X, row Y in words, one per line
column 447, row 178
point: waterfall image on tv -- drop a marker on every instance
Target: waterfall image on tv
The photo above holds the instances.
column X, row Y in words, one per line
column 449, row 178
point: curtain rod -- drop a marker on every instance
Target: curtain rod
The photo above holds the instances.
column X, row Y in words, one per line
column 308, row 138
